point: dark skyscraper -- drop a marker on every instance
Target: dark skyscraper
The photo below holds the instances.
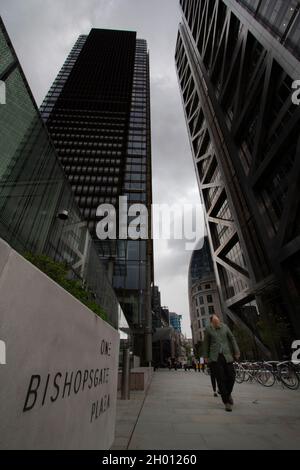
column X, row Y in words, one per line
column 98, row 115
column 236, row 62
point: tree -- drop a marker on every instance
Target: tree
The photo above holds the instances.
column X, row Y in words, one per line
column 198, row 350
column 188, row 350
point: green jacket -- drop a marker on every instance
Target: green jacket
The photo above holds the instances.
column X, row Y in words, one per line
column 220, row 340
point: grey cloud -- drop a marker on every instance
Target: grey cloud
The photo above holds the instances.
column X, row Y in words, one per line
column 175, row 261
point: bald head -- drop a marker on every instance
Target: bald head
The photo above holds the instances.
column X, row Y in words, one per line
column 215, row 321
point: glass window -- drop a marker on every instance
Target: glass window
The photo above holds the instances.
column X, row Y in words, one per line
column 211, row 310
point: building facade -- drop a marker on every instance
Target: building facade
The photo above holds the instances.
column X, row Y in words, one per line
column 167, row 336
column 175, row 321
column 165, row 316
column 204, row 297
column 98, row 115
column 157, row 319
column 236, row 62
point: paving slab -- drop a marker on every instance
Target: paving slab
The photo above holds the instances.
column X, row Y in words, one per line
column 180, row 412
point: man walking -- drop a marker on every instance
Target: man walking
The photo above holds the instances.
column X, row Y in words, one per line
column 220, row 350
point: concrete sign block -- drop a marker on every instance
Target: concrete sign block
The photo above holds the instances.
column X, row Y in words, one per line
column 58, row 388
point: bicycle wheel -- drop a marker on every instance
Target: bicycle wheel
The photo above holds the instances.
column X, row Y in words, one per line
column 247, row 376
column 265, row 377
column 239, row 375
column 288, row 376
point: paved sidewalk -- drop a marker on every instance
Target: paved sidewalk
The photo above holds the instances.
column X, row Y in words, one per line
column 180, row 413
column 127, row 418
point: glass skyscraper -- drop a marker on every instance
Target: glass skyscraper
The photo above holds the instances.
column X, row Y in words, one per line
column 236, row 63
column 98, row 115
column 175, row 321
column 38, row 211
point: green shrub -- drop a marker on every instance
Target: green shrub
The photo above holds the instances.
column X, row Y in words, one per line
column 59, row 273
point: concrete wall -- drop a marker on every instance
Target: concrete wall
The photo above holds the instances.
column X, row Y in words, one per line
column 59, row 385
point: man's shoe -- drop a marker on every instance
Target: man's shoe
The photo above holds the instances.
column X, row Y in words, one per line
column 230, row 401
column 216, row 395
column 228, row 407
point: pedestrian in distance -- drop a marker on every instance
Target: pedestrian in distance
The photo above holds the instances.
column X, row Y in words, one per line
column 220, row 351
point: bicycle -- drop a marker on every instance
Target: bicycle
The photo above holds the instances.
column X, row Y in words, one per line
column 286, row 373
column 256, row 371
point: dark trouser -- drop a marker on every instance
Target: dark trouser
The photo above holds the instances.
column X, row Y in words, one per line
column 225, row 376
column 213, row 379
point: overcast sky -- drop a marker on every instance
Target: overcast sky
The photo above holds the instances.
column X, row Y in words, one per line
column 43, row 33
